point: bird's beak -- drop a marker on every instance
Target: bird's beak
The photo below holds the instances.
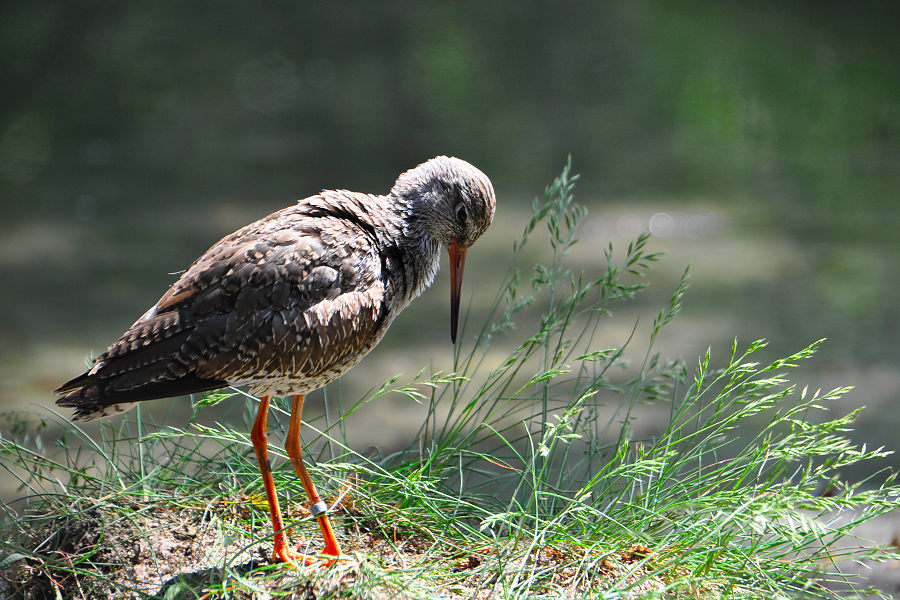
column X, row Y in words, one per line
column 457, row 262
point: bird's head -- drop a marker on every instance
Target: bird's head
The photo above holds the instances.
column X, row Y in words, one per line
column 453, row 203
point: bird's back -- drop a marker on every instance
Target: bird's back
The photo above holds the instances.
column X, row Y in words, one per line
column 285, row 305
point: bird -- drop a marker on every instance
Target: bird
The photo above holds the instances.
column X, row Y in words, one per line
column 291, row 302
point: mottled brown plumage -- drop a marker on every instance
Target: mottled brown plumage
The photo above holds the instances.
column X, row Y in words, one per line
column 291, row 302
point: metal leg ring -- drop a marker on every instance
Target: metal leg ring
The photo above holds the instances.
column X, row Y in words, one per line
column 319, row 508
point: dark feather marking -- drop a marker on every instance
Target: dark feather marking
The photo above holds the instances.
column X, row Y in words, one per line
column 96, row 395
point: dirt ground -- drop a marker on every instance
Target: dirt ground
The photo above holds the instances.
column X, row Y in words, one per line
column 107, row 553
column 128, row 554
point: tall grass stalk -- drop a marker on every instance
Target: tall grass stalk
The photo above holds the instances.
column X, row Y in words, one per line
column 525, row 479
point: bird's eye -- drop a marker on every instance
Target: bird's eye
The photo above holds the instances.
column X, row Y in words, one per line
column 461, row 215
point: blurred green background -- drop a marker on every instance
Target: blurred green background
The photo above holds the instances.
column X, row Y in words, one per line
column 759, row 141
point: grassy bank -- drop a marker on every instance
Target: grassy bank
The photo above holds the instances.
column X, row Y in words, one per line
column 525, row 480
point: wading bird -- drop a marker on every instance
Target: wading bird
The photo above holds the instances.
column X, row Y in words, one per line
column 291, row 302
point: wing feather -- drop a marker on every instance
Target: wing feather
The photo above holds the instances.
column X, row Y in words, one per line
column 295, row 301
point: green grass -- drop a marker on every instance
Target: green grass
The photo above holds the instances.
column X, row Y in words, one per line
column 524, row 481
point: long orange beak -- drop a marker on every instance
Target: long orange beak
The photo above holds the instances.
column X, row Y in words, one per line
column 457, row 263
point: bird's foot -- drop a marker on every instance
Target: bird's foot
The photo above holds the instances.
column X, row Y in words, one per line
column 287, row 555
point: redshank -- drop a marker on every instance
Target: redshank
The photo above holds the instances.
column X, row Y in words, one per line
column 291, row 302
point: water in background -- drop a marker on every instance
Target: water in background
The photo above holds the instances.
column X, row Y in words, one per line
column 759, row 143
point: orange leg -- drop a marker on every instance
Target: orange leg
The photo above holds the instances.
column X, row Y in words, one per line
column 282, row 550
column 258, row 436
column 316, row 506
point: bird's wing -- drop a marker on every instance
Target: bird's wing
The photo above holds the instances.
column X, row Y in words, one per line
column 291, row 293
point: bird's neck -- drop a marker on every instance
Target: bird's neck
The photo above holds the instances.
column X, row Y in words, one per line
column 420, row 250
column 397, row 226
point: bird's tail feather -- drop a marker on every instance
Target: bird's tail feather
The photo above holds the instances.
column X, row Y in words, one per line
column 94, row 397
